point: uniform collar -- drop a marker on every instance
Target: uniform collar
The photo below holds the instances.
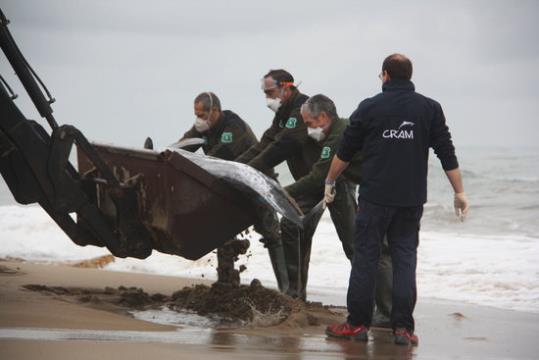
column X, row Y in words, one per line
column 398, row 84
column 219, row 125
column 335, row 129
column 287, row 106
column 337, row 126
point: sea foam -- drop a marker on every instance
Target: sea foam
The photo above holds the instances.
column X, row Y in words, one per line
column 498, row 271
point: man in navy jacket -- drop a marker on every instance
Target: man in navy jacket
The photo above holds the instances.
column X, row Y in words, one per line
column 393, row 131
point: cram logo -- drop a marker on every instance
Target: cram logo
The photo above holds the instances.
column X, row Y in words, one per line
column 404, row 131
column 406, row 123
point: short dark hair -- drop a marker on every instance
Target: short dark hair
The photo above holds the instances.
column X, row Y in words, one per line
column 281, row 76
column 398, row 66
column 318, row 103
column 208, row 99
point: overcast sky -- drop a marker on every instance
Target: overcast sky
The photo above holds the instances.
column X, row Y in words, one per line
column 124, row 70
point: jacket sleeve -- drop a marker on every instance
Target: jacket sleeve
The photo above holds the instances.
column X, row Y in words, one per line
column 287, row 141
column 440, row 140
column 231, row 143
column 190, row 134
column 353, row 136
column 313, row 182
column 255, row 150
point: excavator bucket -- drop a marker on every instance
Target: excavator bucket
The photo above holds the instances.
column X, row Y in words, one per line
column 130, row 201
column 178, row 207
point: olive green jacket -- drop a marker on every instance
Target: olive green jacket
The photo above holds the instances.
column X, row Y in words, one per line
column 322, row 154
column 227, row 139
column 283, row 141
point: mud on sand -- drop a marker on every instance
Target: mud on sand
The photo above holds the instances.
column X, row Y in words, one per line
column 245, row 305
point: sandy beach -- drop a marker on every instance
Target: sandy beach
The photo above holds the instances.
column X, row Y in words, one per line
column 41, row 325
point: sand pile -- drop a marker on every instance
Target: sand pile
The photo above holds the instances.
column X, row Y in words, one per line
column 245, row 305
column 226, row 302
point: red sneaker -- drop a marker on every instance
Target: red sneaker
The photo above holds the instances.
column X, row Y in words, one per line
column 405, row 337
column 347, row 331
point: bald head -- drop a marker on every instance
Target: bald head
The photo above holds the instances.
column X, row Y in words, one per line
column 398, row 66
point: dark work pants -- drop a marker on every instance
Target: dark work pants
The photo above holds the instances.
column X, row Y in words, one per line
column 297, row 243
column 401, row 224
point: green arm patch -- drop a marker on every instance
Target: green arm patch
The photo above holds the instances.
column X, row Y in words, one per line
column 326, row 152
column 291, row 123
column 226, row 138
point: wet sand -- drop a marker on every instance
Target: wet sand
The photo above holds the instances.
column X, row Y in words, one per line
column 41, row 325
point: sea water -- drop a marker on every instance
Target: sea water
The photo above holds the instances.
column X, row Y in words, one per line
column 490, row 259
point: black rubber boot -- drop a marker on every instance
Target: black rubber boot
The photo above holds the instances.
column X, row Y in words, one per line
column 278, row 263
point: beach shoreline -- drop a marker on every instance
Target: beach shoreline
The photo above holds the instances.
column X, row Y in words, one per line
column 36, row 325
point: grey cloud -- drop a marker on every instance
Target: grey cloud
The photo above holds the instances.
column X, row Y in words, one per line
column 114, row 65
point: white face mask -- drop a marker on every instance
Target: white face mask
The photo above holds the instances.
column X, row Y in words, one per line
column 273, row 104
column 201, row 125
column 316, row 133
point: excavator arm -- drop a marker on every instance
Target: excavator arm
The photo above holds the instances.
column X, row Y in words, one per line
column 130, row 201
column 36, row 167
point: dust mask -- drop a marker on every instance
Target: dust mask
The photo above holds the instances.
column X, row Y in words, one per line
column 273, row 104
column 316, row 133
column 201, row 125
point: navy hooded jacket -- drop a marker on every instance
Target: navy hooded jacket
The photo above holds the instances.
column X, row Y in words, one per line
column 394, row 131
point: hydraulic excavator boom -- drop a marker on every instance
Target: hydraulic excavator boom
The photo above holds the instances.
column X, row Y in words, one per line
column 131, row 201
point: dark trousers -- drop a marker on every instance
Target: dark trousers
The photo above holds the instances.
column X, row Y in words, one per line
column 297, row 243
column 401, row 224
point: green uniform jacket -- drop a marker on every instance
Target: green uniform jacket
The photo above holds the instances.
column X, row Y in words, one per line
column 227, row 139
column 323, row 152
column 284, row 140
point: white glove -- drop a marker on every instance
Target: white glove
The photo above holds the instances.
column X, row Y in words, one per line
column 461, row 205
column 329, row 193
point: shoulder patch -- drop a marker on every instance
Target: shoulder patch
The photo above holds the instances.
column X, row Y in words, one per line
column 326, row 152
column 281, row 125
column 226, row 137
column 291, row 123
